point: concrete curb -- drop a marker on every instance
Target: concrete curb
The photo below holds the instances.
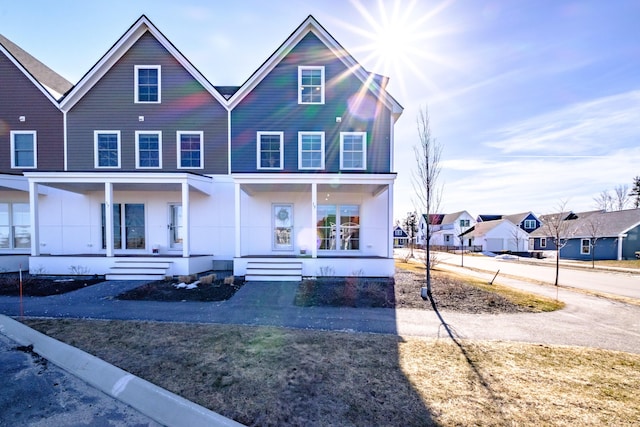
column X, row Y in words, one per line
column 155, row 402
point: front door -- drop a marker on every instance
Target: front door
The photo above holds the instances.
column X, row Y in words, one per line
column 282, row 227
column 175, row 226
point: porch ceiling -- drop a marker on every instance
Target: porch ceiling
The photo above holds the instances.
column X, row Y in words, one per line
column 256, row 188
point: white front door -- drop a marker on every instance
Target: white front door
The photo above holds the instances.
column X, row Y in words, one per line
column 175, row 226
column 282, row 226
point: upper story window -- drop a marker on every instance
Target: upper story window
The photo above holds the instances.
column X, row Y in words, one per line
column 270, row 150
column 190, row 150
column 464, row 223
column 353, row 150
column 148, row 149
column 147, row 84
column 107, row 149
column 310, row 150
column 529, row 224
column 23, row 149
column 310, row 85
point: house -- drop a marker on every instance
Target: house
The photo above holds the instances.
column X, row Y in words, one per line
column 400, row 237
column 595, row 235
column 499, row 235
column 31, row 135
column 445, row 228
column 528, row 221
column 163, row 173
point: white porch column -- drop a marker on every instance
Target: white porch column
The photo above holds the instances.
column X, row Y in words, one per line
column 34, row 221
column 314, row 219
column 108, row 217
column 186, row 228
column 620, row 241
column 237, row 220
column 389, row 226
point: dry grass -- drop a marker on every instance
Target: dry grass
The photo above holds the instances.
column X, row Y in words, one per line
column 629, row 263
column 271, row 376
column 532, row 302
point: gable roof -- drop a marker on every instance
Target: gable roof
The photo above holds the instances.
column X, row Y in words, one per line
column 604, row 224
column 122, row 46
column 484, row 227
column 519, row 217
column 396, row 228
column 373, row 82
column 452, row 217
column 53, row 85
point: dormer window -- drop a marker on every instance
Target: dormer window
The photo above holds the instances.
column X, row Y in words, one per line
column 147, row 84
column 310, row 85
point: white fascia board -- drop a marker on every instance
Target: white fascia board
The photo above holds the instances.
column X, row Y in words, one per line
column 117, row 178
column 311, row 25
column 121, row 47
column 291, row 178
column 32, row 79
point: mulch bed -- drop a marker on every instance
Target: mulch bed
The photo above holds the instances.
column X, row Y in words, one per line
column 40, row 286
column 165, row 290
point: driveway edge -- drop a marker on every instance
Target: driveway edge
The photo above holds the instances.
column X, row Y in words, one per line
column 155, row 402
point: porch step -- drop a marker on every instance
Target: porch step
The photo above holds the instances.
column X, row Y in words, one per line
column 138, row 270
column 270, row 271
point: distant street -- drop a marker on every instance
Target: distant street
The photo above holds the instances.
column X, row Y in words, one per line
column 609, row 282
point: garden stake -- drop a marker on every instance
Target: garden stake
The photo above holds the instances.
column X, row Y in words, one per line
column 494, row 277
column 20, row 273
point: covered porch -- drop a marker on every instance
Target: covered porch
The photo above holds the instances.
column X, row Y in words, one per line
column 111, row 217
column 330, row 224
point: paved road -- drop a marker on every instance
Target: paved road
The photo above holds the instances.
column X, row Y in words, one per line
column 626, row 284
column 35, row 392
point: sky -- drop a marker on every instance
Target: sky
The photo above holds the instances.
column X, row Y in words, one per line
column 535, row 103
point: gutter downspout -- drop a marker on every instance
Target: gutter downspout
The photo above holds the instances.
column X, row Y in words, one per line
column 620, row 241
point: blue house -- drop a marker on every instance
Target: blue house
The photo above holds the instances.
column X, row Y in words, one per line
column 595, row 235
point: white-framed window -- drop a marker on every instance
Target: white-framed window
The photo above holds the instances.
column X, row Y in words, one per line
column 543, row 242
column 353, row 150
column 15, row 226
column 311, row 85
column 270, row 150
column 464, row 223
column 310, row 150
column 529, row 224
column 447, row 238
column 148, row 149
column 107, row 148
column 338, row 227
column 585, row 246
column 24, row 149
column 147, row 84
column 128, row 226
column 190, row 149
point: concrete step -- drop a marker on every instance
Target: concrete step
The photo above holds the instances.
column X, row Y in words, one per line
column 116, row 276
column 271, row 278
column 275, row 265
column 142, row 264
column 270, row 271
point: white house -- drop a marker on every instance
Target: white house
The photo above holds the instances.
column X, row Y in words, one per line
column 499, row 236
column 445, row 228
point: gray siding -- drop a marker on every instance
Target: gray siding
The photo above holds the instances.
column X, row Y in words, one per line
column 273, row 106
column 186, row 106
column 20, row 97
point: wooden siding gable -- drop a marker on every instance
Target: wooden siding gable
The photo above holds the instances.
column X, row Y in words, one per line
column 138, row 29
column 311, row 25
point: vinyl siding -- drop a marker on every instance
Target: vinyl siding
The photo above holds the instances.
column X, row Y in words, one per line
column 20, row 97
column 606, row 249
column 273, row 106
column 186, row 106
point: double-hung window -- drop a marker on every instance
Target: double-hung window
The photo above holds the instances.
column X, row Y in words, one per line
column 148, row 149
column 270, row 150
column 353, row 150
column 15, row 226
column 24, row 151
column 147, row 84
column 190, row 150
column 585, row 246
column 529, row 224
column 107, row 148
column 310, row 150
column 310, row 85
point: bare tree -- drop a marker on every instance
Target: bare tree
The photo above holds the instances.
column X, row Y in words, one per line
column 593, row 226
column 604, row 201
column 517, row 236
column 622, row 196
column 425, row 182
column 411, row 226
column 558, row 227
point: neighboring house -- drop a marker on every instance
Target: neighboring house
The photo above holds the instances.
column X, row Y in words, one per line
column 163, row 173
column 31, row 137
column 499, row 235
column 400, row 237
column 445, row 228
column 596, row 235
column 528, row 221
